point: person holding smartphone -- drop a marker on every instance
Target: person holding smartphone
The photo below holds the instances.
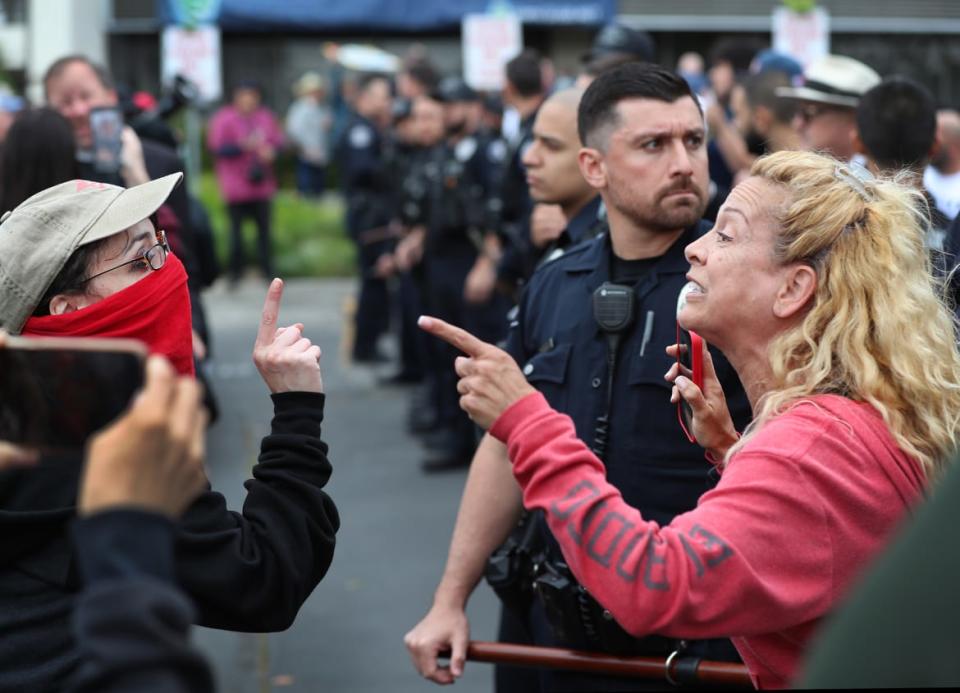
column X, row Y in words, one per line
column 84, row 92
column 131, row 622
column 84, row 259
column 852, row 423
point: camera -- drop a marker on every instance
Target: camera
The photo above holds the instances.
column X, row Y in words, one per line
column 256, row 173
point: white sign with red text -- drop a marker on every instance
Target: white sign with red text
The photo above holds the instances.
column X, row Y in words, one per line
column 195, row 54
column 804, row 36
column 489, row 42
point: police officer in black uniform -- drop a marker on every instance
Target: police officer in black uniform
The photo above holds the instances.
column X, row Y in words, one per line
column 402, row 152
column 458, row 262
column 367, row 190
column 429, row 132
column 524, row 91
column 555, row 181
column 645, row 153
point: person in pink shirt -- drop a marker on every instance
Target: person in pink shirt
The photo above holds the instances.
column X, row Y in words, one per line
column 244, row 137
column 815, row 285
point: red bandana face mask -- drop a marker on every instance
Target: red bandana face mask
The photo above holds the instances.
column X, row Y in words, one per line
column 155, row 310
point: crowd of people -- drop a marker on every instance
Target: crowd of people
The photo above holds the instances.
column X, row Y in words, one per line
column 559, row 235
column 604, row 529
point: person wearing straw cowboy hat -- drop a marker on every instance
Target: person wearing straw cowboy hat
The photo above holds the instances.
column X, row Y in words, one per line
column 829, row 96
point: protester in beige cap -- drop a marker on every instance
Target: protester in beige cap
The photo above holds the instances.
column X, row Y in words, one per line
column 85, row 259
column 831, row 91
column 70, row 248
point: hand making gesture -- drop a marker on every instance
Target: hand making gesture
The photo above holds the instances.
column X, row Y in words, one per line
column 490, row 380
column 287, row 361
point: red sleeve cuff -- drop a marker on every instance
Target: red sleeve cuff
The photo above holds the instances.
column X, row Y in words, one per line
column 516, row 414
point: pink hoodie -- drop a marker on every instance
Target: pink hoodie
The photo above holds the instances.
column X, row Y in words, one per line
column 799, row 512
column 230, row 127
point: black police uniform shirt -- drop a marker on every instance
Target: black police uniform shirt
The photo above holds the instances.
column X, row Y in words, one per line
column 400, row 160
column 494, row 150
column 563, row 353
column 519, row 255
column 458, row 178
column 364, row 175
column 585, row 225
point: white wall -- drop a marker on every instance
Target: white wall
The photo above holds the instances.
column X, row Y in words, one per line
column 13, row 42
column 60, row 27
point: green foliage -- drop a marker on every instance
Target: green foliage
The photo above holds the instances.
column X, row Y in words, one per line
column 309, row 239
column 800, row 6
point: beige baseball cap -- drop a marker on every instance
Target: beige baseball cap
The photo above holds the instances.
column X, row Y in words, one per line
column 308, row 82
column 39, row 236
column 835, row 80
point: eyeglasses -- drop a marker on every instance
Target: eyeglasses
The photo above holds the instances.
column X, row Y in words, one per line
column 811, row 112
column 154, row 257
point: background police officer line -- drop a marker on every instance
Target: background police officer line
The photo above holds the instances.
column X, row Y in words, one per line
column 524, row 91
column 403, row 151
column 458, row 259
column 368, row 192
column 645, row 153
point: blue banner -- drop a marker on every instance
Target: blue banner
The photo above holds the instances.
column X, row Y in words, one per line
column 375, row 15
column 188, row 12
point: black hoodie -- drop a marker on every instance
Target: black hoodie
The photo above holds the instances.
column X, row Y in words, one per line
column 246, row 571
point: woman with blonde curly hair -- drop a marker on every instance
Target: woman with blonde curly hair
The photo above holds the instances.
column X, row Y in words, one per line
column 816, row 286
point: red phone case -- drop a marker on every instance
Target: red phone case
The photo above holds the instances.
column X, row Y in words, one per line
column 696, row 358
column 696, row 375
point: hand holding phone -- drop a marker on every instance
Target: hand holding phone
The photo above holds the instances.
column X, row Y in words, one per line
column 701, row 404
column 56, row 392
column 106, row 126
column 690, row 365
column 151, row 457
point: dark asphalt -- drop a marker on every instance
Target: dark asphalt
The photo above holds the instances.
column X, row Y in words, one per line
column 396, row 520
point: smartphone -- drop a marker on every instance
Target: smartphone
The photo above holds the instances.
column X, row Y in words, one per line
column 57, row 391
column 106, row 127
column 690, row 360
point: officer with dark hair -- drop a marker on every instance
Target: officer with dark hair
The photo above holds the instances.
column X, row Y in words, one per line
column 644, row 152
column 616, row 44
column 369, row 197
column 524, row 92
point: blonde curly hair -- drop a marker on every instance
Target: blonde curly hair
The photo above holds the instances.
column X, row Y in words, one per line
column 878, row 329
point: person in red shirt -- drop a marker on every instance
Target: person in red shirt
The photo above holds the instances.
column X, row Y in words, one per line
column 815, row 285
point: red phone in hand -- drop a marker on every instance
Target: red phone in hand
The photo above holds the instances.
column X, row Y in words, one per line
column 690, row 361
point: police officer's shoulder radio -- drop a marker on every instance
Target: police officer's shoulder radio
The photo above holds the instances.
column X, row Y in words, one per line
column 614, row 310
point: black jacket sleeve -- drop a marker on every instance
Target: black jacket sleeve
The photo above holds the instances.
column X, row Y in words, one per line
column 130, row 623
column 251, row 571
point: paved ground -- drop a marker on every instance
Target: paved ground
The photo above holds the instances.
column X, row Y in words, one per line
column 396, row 520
